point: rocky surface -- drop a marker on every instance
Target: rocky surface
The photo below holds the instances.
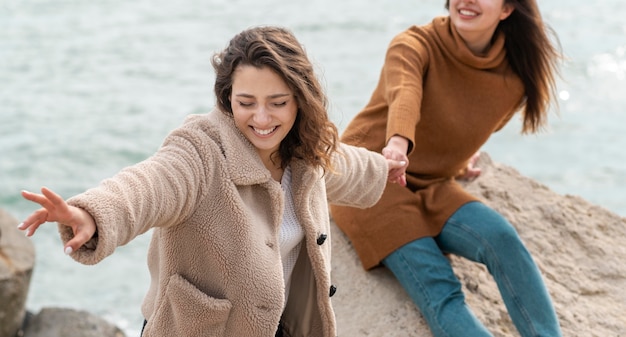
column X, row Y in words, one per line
column 63, row 322
column 578, row 246
column 17, row 259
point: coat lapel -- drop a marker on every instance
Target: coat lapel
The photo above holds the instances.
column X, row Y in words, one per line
column 243, row 162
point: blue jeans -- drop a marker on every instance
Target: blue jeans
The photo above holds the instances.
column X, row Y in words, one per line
column 480, row 234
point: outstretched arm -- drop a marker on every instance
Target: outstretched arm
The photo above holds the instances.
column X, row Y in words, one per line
column 55, row 209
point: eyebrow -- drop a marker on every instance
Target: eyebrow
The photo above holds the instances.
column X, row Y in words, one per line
column 270, row 96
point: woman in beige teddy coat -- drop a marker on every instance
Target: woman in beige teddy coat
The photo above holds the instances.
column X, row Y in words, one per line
column 237, row 199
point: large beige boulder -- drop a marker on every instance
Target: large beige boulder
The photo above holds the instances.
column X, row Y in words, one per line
column 17, row 259
column 578, row 246
column 64, row 322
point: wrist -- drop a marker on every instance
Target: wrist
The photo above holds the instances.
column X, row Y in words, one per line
column 399, row 143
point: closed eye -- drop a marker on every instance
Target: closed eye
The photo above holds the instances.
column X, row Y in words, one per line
column 245, row 104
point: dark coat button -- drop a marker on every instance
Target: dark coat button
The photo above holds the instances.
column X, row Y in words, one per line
column 333, row 290
column 321, row 239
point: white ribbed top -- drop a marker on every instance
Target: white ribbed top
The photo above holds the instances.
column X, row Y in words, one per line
column 291, row 233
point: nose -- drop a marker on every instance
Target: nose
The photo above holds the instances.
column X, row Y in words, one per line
column 262, row 117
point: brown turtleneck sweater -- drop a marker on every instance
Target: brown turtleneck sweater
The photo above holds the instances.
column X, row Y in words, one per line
column 447, row 101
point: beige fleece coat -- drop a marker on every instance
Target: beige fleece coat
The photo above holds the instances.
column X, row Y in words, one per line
column 214, row 258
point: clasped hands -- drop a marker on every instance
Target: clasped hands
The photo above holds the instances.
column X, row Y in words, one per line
column 395, row 152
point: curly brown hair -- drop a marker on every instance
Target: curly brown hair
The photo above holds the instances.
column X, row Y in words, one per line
column 313, row 138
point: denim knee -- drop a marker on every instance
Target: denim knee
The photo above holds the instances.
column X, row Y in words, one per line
column 474, row 231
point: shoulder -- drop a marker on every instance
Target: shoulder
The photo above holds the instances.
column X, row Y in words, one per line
column 207, row 122
column 201, row 127
column 417, row 40
column 199, row 134
column 417, row 35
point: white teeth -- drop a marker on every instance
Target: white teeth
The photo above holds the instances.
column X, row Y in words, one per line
column 264, row 132
column 466, row 12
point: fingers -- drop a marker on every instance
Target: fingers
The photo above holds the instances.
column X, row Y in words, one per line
column 396, row 164
column 36, row 198
column 399, row 179
column 51, row 204
column 395, row 159
column 390, row 153
column 472, row 173
column 475, row 157
column 54, row 198
column 79, row 239
column 33, row 221
column 398, row 175
column 84, row 228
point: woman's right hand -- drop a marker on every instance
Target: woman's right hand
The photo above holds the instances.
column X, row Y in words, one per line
column 55, row 209
column 396, row 150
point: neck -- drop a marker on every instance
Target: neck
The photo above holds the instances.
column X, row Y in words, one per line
column 274, row 167
column 277, row 174
column 479, row 44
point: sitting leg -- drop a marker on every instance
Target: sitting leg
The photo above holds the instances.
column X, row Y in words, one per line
column 427, row 276
column 480, row 234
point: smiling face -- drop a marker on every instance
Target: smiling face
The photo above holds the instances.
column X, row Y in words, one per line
column 477, row 20
column 264, row 108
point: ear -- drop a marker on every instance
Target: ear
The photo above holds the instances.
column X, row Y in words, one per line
column 507, row 9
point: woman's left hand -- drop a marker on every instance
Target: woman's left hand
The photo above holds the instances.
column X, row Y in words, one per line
column 471, row 171
column 397, row 171
column 55, row 209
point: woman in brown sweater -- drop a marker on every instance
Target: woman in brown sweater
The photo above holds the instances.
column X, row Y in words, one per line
column 445, row 87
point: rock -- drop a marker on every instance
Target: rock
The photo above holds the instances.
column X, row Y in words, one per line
column 17, row 259
column 59, row 322
column 577, row 245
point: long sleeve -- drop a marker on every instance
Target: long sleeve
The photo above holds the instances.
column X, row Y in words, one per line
column 158, row 192
column 401, row 80
column 359, row 177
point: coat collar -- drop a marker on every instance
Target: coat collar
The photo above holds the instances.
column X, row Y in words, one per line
column 243, row 162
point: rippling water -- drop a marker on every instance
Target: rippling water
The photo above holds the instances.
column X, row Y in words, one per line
column 88, row 87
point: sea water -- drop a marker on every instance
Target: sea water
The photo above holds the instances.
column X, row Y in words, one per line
column 88, row 87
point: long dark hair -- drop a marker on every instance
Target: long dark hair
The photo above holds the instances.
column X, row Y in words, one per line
column 313, row 137
column 533, row 57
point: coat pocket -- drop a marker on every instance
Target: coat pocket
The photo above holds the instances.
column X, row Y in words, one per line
column 187, row 311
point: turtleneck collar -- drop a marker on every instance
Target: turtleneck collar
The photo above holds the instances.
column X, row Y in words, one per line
column 455, row 46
